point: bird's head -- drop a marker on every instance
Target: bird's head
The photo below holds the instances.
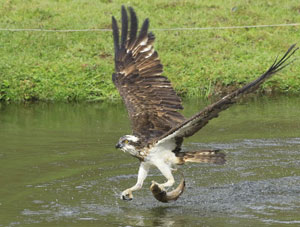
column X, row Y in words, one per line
column 129, row 144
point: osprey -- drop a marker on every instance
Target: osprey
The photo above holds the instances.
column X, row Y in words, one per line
column 158, row 129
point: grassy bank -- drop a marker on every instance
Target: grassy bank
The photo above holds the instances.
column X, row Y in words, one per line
column 78, row 65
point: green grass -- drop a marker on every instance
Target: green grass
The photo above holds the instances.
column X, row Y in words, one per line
column 77, row 66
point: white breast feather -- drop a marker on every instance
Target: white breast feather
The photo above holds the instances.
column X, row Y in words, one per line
column 162, row 152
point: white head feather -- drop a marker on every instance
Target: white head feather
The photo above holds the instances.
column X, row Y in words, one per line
column 126, row 144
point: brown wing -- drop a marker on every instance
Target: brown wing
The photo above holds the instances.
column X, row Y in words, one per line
column 195, row 123
column 151, row 102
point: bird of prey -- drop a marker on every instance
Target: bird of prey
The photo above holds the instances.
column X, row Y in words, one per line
column 158, row 129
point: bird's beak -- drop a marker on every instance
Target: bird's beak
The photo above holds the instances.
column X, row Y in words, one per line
column 118, row 145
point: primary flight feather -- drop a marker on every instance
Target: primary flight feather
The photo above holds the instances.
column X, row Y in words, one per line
column 158, row 128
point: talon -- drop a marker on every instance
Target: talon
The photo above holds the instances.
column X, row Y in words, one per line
column 126, row 195
column 154, row 182
column 160, row 186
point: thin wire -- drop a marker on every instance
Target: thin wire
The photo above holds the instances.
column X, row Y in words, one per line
column 49, row 30
column 229, row 27
column 154, row 29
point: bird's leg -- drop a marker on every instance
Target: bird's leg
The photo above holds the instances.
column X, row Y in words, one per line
column 143, row 172
column 166, row 170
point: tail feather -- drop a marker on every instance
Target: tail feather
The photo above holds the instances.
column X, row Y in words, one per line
column 203, row 156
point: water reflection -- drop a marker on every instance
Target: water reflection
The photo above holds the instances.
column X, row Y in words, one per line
column 59, row 166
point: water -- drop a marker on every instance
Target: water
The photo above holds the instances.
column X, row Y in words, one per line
column 59, row 167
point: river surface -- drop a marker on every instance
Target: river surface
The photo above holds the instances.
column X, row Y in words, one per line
column 59, row 167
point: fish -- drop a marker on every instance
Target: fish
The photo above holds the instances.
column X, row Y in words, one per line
column 164, row 196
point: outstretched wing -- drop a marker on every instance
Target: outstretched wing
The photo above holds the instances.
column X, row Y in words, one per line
column 195, row 123
column 151, row 102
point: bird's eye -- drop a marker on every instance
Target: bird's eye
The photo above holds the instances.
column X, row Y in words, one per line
column 126, row 141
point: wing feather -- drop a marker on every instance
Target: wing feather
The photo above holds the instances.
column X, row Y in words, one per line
column 196, row 122
column 115, row 35
column 124, row 27
column 133, row 28
column 151, row 101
